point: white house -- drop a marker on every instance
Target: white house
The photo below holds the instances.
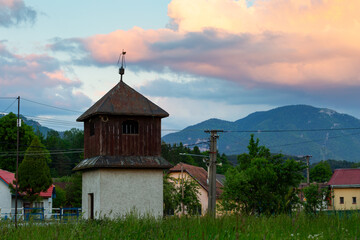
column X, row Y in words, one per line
column 7, row 199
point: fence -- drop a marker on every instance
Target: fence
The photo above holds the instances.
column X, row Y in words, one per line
column 41, row 214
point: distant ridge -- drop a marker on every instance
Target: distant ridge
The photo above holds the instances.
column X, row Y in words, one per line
column 339, row 145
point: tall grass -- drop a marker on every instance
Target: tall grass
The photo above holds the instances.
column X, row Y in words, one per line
column 297, row 226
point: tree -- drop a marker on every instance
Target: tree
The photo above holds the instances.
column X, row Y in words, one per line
column 60, row 163
column 34, row 173
column 169, row 195
column 321, row 172
column 8, row 140
column 184, row 196
column 172, row 154
column 60, row 199
column 262, row 182
column 74, row 190
column 315, row 197
column 189, row 201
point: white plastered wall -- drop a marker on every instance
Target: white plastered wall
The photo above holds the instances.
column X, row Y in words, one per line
column 90, row 184
column 117, row 192
column 5, row 197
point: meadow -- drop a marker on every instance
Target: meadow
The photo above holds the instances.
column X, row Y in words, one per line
column 297, row 226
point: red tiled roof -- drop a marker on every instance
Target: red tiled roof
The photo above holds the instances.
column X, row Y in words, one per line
column 9, row 177
column 345, row 177
column 199, row 174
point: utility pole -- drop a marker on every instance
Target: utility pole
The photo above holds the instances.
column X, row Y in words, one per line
column 182, row 190
column 307, row 169
column 212, row 171
column 17, row 160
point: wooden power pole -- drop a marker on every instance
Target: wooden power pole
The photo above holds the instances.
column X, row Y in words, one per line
column 18, row 124
column 308, row 169
column 212, row 171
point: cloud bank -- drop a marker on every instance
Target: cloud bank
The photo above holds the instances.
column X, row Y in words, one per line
column 15, row 12
column 39, row 78
column 306, row 44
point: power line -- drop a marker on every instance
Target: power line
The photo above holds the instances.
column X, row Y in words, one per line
column 292, row 130
column 50, row 151
column 10, row 105
column 37, row 154
column 52, row 122
column 47, row 105
column 267, row 130
column 316, row 140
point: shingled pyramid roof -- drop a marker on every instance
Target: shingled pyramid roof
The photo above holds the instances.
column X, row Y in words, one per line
column 123, row 100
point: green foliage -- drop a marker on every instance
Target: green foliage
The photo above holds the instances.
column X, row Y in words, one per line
column 321, row 172
column 169, row 195
column 60, row 199
column 172, row 154
column 34, row 173
column 63, row 163
column 261, row 183
column 315, row 196
column 74, row 191
column 189, row 200
column 175, row 200
column 8, row 141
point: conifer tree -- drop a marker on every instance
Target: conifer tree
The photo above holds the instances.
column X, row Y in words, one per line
column 34, row 172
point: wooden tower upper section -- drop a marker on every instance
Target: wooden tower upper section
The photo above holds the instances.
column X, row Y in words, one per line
column 122, row 123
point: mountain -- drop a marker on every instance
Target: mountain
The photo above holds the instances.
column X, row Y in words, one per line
column 322, row 145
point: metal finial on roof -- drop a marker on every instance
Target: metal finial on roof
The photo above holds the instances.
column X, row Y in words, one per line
column 122, row 69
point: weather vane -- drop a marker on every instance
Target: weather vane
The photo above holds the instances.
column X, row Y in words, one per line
column 122, row 69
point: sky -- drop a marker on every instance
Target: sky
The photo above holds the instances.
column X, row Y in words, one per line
column 197, row 59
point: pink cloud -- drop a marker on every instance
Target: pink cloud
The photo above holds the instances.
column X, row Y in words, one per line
column 38, row 77
column 14, row 12
column 296, row 43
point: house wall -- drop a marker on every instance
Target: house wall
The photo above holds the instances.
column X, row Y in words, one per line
column 348, row 194
column 90, row 184
column 203, row 194
column 109, row 139
column 5, row 197
column 119, row 191
column 126, row 190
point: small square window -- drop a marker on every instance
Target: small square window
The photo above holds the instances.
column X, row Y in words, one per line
column 341, row 200
column 354, row 200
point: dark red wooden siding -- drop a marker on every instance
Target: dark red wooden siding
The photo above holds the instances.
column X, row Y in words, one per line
column 109, row 139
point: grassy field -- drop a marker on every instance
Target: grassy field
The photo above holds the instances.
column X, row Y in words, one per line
column 228, row 227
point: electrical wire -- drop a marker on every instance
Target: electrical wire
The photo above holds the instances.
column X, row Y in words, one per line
column 292, row 130
column 50, row 151
column 10, row 106
column 37, row 154
column 316, row 140
column 47, row 105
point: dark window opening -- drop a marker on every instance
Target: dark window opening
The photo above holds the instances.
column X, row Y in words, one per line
column 92, row 128
column 130, row 127
column 354, row 200
column 91, row 205
column 341, row 200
